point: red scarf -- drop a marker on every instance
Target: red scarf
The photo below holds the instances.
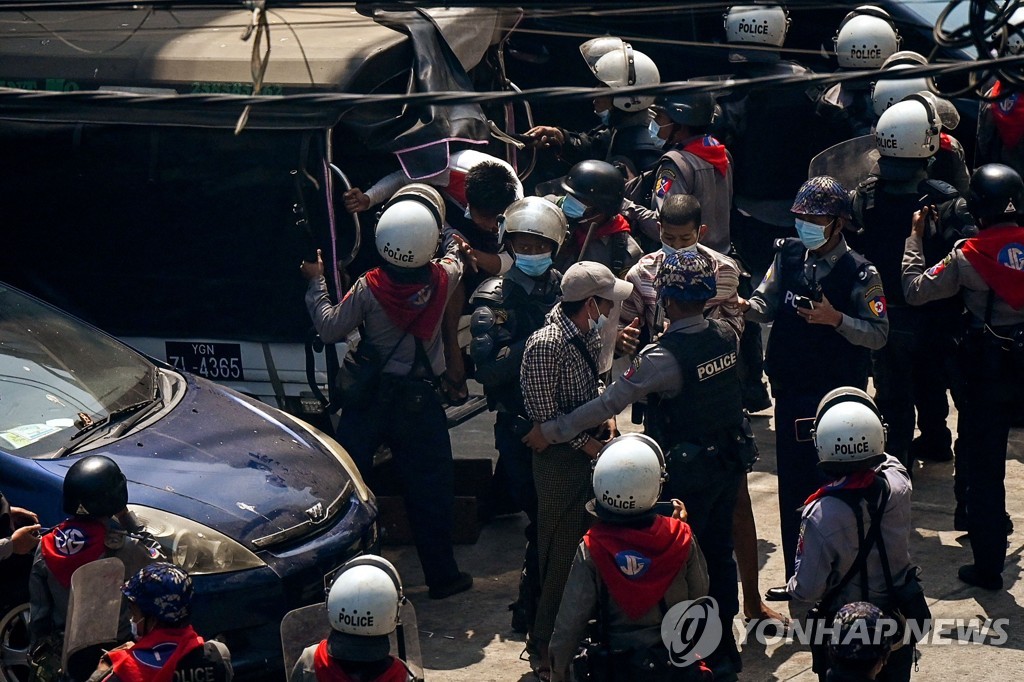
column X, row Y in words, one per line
column 1007, row 116
column 997, row 253
column 639, row 564
column 328, row 670
column 73, row 543
column 711, row 150
column 612, row 226
column 456, row 188
column 155, row 657
column 855, row 481
column 414, row 308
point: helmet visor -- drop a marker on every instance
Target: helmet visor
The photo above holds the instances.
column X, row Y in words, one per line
column 594, row 49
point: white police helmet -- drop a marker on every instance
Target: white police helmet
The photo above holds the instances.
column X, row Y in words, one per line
column 889, row 91
column 409, row 227
column 616, row 64
column 848, row 431
column 763, row 24
column 365, row 601
column 628, row 476
column 908, row 129
column 534, row 215
column 866, row 38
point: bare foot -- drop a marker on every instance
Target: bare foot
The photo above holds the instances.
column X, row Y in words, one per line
column 765, row 612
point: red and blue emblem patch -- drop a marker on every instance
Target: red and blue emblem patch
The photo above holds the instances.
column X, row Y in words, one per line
column 877, row 306
column 1012, row 256
column 633, row 564
column 664, row 185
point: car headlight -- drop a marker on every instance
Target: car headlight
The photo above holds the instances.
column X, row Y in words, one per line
column 193, row 546
column 339, row 453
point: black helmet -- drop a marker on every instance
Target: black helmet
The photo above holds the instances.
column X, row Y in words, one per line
column 996, row 192
column 598, row 184
column 95, row 486
column 693, row 109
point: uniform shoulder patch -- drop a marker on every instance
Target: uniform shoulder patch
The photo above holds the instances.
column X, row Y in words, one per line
column 867, row 272
column 666, row 178
column 877, row 306
column 779, row 243
column 940, row 266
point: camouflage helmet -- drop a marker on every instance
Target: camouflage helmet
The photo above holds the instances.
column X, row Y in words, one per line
column 860, row 633
column 687, row 276
column 822, row 195
column 162, row 591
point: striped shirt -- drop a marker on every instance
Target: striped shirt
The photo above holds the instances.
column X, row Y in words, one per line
column 643, row 302
column 555, row 377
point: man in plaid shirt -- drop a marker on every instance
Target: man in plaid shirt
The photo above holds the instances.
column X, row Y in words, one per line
column 559, row 373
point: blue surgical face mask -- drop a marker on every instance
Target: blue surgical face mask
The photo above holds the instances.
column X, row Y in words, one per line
column 604, row 116
column 468, row 214
column 533, row 265
column 812, row 236
column 668, row 250
column 572, row 207
column 653, row 128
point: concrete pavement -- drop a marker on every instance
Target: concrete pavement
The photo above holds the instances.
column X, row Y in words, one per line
column 468, row 637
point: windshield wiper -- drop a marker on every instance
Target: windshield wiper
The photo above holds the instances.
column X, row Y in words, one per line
column 130, row 414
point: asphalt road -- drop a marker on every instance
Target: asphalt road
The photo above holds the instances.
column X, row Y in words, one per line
column 468, row 637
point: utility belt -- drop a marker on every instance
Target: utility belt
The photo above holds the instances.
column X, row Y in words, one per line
column 995, row 350
column 407, row 394
column 725, row 450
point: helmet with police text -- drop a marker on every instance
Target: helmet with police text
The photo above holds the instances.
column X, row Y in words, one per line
column 409, row 228
column 848, row 431
column 887, row 91
column 822, row 195
column 761, row 24
column 95, row 486
column 693, row 109
column 866, row 37
column 995, row 194
column 628, row 476
column 616, row 64
column 598, row 184
column 537, row 216
column 908, row 129
column 686, row 276
column 363, row 606
column 162, row 591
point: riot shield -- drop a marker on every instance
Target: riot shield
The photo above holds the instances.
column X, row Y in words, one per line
column 301, row 628
column 849, row 162
column 94, row 609
column 309, row 625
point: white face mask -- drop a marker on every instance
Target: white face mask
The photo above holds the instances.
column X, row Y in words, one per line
column 668, row 250
column 135, row 630
column 599, row 323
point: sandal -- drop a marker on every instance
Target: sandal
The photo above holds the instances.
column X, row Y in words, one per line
column 454, row 393
column 772, row 627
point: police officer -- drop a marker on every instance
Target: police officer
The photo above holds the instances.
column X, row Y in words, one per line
column 989, row 270
column 825, row 324
column 165, row 645
column 948, row 163
column 695, row 163
column 627, row 131
column 866, row 37
column 1001, row 120
column 866, row 500
column 398, row 308
column 94, row 493
column 363, row 606
column 693, row 364
column 631, row 567
column 506, row 311
column 911, row 366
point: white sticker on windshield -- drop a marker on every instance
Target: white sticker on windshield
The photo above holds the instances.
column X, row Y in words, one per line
column 20, row 436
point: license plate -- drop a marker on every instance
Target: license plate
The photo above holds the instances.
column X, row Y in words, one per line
column 216, row 361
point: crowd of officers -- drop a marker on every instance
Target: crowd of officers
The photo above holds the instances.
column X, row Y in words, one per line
column 912, row 274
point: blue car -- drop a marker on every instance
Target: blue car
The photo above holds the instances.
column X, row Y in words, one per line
column 258, row 506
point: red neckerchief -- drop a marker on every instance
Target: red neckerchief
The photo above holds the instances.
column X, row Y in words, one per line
column 612, row 226
column 328, row 670
column 639, row 564
column 711, row 150
column 73, row 543
column 854, row 481
column 945, row 142
column 996, row 253
column 414, row 308
column 155, row 657
column 1008, row 116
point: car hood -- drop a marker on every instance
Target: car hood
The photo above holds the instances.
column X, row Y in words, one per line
column 229, row 462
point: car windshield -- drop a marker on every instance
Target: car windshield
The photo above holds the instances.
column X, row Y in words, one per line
column 58, row 375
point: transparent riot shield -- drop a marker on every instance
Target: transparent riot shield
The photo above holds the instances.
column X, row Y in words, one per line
column 849, row 162
column 94, row 610
column 309, row 625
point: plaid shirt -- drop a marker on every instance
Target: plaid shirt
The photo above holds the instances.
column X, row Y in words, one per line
column 554, row 376
column 643, row 302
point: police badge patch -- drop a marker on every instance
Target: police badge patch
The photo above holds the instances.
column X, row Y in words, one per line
column 664, row 184
column 633, row 564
